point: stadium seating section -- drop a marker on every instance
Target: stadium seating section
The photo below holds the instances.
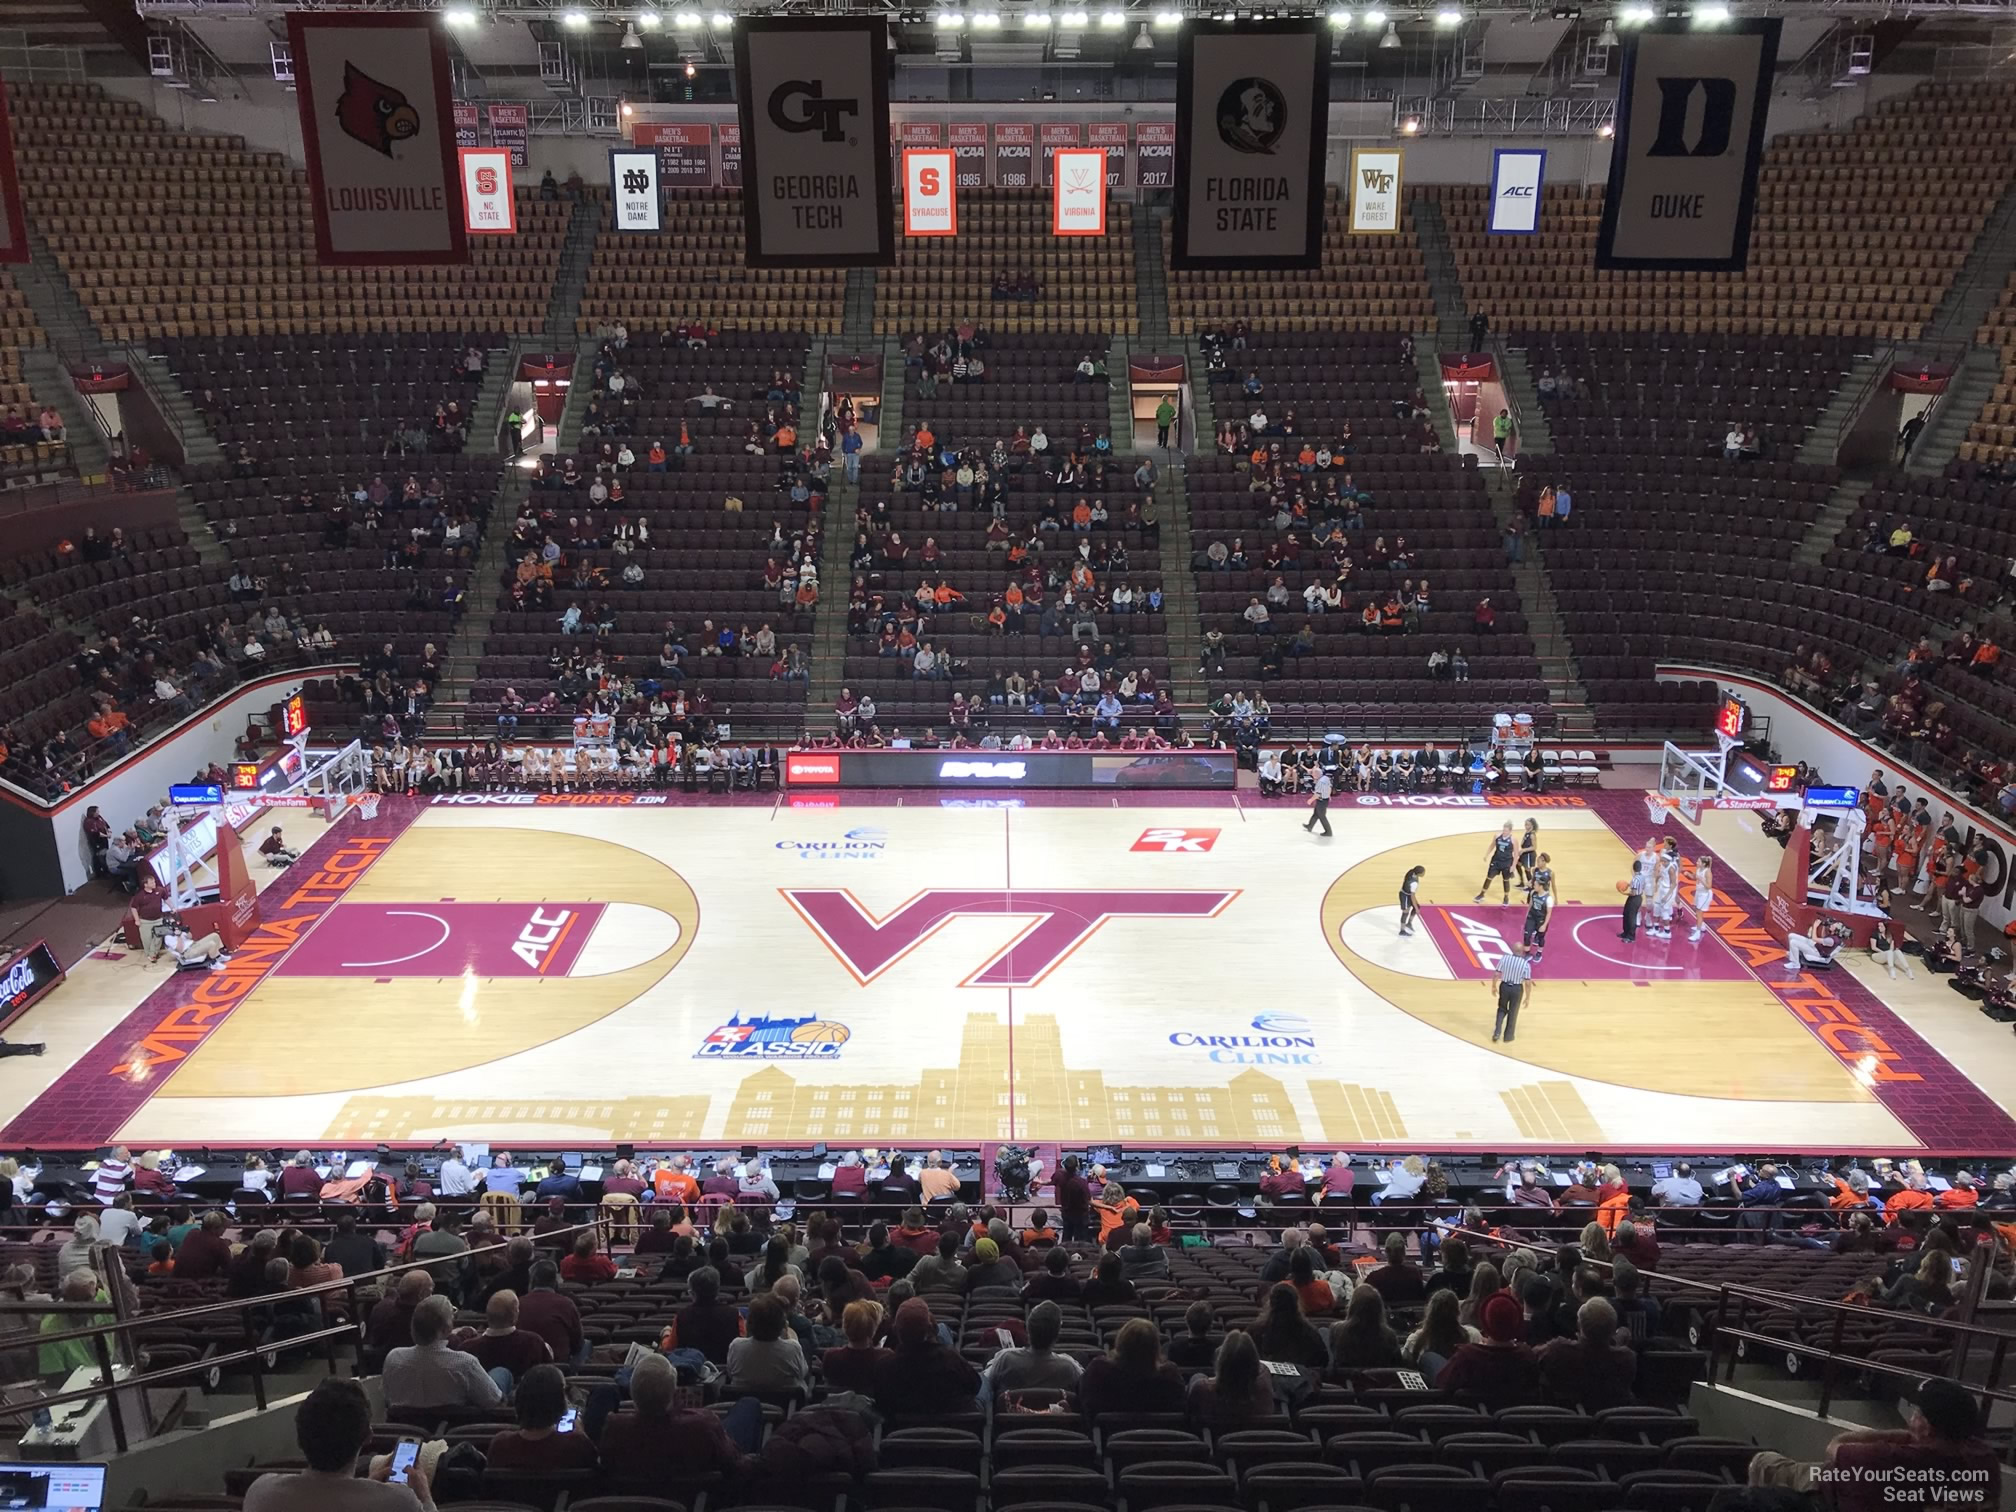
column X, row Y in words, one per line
column 1366, row 283
column 1992, row 438
column 1858, row 232
column 1079, row 281
column 694, row 271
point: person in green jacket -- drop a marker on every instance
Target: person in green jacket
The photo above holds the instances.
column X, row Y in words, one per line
column 60, row 1358
column 1501, row 435
column 1165, row 416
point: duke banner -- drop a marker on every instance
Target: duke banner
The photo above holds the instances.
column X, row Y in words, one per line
column 1691, row 110
column 634, row 201
column 1375, row 191
column 377, row 123
column 813, row 96
column 1252, row 103
column 1517, row 175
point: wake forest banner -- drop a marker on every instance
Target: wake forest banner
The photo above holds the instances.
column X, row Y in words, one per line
column 813, row 96
column 378, row 124
column 1690, row 136
column 1252, row 111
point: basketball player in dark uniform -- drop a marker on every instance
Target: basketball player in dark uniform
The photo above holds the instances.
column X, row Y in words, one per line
column 1539, row 911
column 1503, row 850
column 1529, row 845
column 1410, row 898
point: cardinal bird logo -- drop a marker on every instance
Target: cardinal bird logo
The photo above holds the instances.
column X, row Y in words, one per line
column 375, row 114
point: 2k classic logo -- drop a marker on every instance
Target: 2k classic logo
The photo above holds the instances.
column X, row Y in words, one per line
column 814, row 112
column 1063, row 919
column 1165, row 841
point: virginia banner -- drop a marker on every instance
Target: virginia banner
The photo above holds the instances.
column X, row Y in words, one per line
column 1517, row 175
column 813, row 96
column 1252, row 103
column 377, row 122
column 1691, row 110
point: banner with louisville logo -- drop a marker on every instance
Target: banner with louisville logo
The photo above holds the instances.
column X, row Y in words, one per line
column 377, row 124
column 1252, row 103
column 1517, row 175
column 511, row 128
column 813, row 96
column 13, row 226
column 1691, row 110
column 488, row 208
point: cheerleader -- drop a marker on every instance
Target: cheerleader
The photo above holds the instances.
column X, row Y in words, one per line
column 1410, row 898
column 1884, row 951
column 1944, row 954
column 1704, row 896
column 1529, row 845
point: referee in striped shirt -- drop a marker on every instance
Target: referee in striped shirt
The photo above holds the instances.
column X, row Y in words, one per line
column 1515, row 980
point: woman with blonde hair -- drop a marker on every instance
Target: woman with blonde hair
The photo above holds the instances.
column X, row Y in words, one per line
column 1485, row 1282
column 1594, row 1242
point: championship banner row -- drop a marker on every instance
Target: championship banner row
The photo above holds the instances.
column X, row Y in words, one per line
column 395, row 179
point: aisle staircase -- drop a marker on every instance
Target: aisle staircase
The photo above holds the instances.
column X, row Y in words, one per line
column 459, row 658
column 1452, row 310
column 857, row 319
column 1566, row 696
column 1188, row 688
column 1972, row 383
column 1823, row 442
column 571, row 281
column 1151, row 280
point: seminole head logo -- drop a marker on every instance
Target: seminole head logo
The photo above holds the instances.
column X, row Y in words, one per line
column 1252, row 113
column 375, row 114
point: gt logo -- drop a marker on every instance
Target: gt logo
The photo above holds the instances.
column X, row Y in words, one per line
column 540, row 934
column 1164, row 841
column 815, row 111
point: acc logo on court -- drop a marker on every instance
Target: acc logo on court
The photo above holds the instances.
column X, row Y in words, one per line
column 761, row 1037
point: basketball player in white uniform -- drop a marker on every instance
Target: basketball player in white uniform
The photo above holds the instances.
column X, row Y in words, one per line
column 1704, row 894
column 1665, row 892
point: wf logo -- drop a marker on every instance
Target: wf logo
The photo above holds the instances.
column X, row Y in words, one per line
column 1376, row 180
column 1054, row 922
column 1718, row 117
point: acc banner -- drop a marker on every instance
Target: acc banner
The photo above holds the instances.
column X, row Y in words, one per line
column 1252, row 103
column 633, row 190
column 488, row 208
column 929, row 206
column 1516, row 179
column 1078, row 192
column 1375, row 191
column 1690, row 136
column 813, row 94
column 377, row 120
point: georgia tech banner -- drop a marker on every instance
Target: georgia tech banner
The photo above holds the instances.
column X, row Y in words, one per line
column 378, row 126
column 13, row 225
column 813, row 96
column 1691, row 110
column 1252, row 111
column 1517, row 175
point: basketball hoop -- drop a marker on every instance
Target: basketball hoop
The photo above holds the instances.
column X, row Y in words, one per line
column 367, row 806
column 1657, row 806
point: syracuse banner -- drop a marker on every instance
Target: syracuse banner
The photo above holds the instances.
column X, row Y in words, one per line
column 1252, row 102
column 377, row 121
column 1691, row 107
column 13, row 227
column 813, row 96
column 1516, row 178
column 930, row 207
column 488, row 208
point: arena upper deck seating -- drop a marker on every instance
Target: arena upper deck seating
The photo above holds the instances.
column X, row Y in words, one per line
column 1081, row 282
column 1858, row 232
column 25, row 460
column 184, row 234
column 1366, row 283
column 1992, row 437
column 1435, row 503
column 695, row 271
column 1028, row 382
column 705, row 561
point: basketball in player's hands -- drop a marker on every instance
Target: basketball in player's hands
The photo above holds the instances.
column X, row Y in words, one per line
column 1623, row 887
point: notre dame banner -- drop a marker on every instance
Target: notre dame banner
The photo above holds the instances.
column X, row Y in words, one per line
column 1690, row 135
column 813, row 94
column 1252, row 116
column 377, row 120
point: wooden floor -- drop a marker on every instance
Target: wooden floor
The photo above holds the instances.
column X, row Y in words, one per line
column 910, row 975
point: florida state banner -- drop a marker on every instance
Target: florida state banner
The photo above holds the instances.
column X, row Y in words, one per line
column 13, row 224
column 377, row 120
column 813, row 95
column 1252, row 102
column 1691, row 109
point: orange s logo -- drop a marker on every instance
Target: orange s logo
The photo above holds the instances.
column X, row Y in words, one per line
column 928, row 181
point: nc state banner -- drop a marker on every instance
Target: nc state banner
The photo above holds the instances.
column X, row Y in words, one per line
column 1252, row 103
column 813, row 96
column 377, row 120
column 1690, row 136
column 13, row 226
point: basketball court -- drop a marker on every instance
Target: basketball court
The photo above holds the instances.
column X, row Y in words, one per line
column 905, row 974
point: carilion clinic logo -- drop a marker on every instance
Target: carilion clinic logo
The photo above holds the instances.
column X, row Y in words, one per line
column 866, row 843
column 1278, row 1039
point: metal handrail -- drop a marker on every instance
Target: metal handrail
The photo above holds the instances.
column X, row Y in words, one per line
column 102, row 1335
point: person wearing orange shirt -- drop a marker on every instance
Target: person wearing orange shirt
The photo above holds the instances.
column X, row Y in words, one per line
column 108, row 724
column 944, row 596
column 654, row 459
column 926, row 439
column 1916, row 1193
column 786, row 439
column 673, row 1181
column 1613, row 1199
column 1962, row 1194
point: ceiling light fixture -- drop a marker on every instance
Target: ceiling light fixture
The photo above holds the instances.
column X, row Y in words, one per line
column 459, row 17
column 949, row 20
column 631, row 41
column 1341, row 19
column 1710, row 15
column 648, row 20
column 987, row 20
column 1072, row 20
column 1392, row 37
column 1168, row 19
column 1449, row 15
column 1112, row 20
column 576, row 20
column 1035, row 20
column 1142, row 41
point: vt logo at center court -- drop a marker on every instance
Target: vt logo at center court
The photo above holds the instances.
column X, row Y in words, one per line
column 1059, row 921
